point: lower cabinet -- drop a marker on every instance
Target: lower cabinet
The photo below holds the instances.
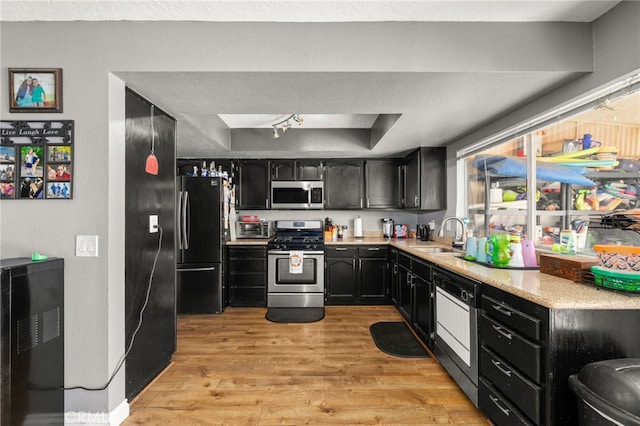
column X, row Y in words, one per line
column 528, row 352
column 357, row 275
column 246, row 275
column 416, row 295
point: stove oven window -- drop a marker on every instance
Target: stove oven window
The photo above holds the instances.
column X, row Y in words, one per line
column 308, row 275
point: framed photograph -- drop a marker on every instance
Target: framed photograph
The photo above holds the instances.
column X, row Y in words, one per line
column 36, row 160
column 35, row 89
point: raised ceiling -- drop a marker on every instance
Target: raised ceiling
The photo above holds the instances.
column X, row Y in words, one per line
column 433, row 101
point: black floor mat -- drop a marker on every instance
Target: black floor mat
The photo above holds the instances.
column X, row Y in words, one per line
column 295, row 314
column 395, row 338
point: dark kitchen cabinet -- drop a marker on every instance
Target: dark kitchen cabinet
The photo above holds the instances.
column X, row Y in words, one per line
column 344, row 181
column 383, row 184
column 423, row 301
column 425, row 179
column 246, row 275
column 357, row 275
column 252, row 184
column 416, row 295
column 289, row 169
column 310, row 169
column 405, row 287
column 373, row 282
column 394, row 278
column 340, row 275
column 528, row 352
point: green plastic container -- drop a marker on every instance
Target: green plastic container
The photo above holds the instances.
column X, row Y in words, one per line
column 617, row 280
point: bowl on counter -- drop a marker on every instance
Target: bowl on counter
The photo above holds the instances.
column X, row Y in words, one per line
column 621, row 258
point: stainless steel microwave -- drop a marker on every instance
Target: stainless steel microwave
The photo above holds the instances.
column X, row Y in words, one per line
column 297, row 194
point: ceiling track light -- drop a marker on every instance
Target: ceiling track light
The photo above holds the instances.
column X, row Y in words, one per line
column 285, row 124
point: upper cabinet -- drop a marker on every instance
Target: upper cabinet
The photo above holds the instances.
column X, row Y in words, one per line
column 343, row 184
column 564, row 177
column 383, row 184
column 252, row 184
column 425, row 179
column 289, row 169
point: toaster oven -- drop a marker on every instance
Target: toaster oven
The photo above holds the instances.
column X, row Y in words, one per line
column 261, row 229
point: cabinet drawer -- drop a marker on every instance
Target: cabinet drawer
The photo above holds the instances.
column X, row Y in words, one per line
column 247, row 253
column 372, row 251
column 518, row 351
column 340, row 251
column 500, row 410
column 404, row 260
column 247, row 266
column 517, row 320
column 522, row 392
column 422, row 269
column 247, row 280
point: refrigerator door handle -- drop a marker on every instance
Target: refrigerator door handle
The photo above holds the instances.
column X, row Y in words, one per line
column 180, row 220
column 213, row 268
column 186, row 211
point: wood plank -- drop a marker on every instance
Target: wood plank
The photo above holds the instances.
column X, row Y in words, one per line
column 237, row 368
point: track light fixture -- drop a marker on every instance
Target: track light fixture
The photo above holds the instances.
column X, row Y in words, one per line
column 285, row 124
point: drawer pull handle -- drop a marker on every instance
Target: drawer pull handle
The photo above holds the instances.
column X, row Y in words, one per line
column 496, row 401
column 373, row 248
column 504, row 333
column 502, row 369
column 341, row 248
column 502, row 310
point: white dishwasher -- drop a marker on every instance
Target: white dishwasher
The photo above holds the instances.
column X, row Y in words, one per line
column 456, row 334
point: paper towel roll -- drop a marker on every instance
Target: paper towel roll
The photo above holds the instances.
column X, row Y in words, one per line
column 357, row 227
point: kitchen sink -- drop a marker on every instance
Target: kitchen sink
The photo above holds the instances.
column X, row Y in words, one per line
column 433, row 249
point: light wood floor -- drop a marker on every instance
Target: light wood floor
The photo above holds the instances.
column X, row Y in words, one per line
column 237, row 368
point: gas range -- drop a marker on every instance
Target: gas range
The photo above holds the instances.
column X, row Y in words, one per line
column 297, row 235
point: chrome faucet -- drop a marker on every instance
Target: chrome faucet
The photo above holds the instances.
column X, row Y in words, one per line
column 457, row 242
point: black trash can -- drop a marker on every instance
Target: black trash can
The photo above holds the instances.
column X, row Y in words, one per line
column 608, row 392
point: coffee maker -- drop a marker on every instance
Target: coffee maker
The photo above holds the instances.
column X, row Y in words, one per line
column 387, row 228
column 423, row 232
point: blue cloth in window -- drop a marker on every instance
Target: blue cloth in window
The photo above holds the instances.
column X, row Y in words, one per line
column 517, row 167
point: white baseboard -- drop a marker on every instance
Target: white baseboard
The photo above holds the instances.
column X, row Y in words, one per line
column 83, row 418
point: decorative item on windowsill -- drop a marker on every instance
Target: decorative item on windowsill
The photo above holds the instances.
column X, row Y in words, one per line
column 151, row 165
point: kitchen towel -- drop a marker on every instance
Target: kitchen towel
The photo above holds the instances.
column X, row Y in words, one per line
column 295, row 261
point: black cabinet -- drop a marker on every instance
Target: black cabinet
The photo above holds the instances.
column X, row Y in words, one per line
column 383, row 184
column 357, row 275
column 425, row 179
column 246, row 275
column 340, row 275
column 395, row 275
column 528, row 352
column 423, row 300
column 289, row 169
column 416, row 295
column 405, row 287
column 252, row 184
column 373, row 282
column 344, row 181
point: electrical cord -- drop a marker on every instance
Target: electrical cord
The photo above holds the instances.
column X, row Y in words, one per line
column 133, row 336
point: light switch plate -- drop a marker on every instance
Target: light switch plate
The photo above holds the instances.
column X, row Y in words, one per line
column 87, row 245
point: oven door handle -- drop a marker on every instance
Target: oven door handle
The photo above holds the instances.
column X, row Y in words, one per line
column 287, row 252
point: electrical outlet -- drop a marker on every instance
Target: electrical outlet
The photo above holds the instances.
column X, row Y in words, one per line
column 153, row 223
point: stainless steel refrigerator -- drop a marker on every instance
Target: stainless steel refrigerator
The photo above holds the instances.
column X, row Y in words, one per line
column 200, row 238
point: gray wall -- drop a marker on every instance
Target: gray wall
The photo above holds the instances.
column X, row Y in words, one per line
column 93, row 97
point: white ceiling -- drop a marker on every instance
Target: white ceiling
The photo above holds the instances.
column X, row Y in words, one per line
column 304, row 10
column 435, row 107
